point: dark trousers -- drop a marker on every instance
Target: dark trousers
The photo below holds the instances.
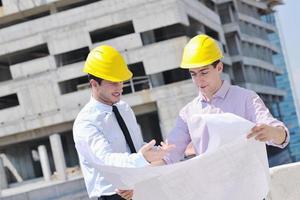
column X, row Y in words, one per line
column 111, row 197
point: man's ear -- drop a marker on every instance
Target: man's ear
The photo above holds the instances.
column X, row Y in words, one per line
column 93, row 83
column 219, row 67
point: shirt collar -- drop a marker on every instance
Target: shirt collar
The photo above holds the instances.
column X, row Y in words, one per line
column 221, row 93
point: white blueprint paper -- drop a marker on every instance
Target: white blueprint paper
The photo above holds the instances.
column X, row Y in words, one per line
column 232, row 168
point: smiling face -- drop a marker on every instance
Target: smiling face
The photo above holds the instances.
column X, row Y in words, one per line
column 207, row 79
column 107, row 92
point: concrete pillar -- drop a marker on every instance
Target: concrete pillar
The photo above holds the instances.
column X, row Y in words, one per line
column 58, row 156
column 238, row 44
column 3, row 179
column 44, row 162
column 231, row 14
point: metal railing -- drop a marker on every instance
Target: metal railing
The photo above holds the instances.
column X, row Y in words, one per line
column 135, row 84
column 138, row 83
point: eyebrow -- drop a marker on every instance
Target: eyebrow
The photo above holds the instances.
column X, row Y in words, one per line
column 201, row 70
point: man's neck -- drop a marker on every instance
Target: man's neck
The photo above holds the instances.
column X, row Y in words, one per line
column 101, row 100
column 208, row 97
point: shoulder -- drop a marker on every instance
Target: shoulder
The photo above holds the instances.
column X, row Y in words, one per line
column 124, row 106
column 89, row 114
column 241, row 92
column 125, row 110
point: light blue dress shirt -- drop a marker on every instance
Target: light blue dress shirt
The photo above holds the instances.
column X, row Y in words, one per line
column 100, row 141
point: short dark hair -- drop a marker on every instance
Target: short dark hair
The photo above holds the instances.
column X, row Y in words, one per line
column 97, row 79
column 214, row 64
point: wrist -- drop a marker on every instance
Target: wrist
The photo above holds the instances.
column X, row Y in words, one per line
column 281, row 135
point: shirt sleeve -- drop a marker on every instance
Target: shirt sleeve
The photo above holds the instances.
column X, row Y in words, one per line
column 96, row 150
column 260, row 114
column 181, row 138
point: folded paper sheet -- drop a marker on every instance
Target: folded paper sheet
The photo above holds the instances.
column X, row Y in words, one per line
column 232, row 168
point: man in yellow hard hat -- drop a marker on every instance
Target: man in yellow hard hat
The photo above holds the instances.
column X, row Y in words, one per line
column 201, row 57
column 105, row 131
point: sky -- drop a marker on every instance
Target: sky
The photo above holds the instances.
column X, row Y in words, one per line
column 289, row 22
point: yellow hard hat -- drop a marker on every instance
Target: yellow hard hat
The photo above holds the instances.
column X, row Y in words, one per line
column 107, row 63
column 200, row 51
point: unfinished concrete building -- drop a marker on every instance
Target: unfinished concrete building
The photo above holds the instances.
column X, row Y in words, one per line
column 42, row 87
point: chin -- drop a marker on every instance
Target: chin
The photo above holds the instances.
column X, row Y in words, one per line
column 115, row 100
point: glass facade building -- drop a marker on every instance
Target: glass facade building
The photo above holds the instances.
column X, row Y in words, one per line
column 286, row 109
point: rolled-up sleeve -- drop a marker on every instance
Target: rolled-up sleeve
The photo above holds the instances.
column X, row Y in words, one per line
column 181, row 138
column 260, row 114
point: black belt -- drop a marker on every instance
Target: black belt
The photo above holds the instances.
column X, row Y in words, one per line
column 111, row 197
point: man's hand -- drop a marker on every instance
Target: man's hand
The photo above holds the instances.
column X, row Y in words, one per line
column 155, row 153
column 263, row 133
column 125, row 194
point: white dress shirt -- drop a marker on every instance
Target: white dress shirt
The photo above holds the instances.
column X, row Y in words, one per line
column 99, row 140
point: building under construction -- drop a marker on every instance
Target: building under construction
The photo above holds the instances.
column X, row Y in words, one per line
column 43, row 45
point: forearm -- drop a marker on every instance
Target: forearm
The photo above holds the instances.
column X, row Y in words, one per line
column 180, row 137
column 124, row 159
column 105, row 156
